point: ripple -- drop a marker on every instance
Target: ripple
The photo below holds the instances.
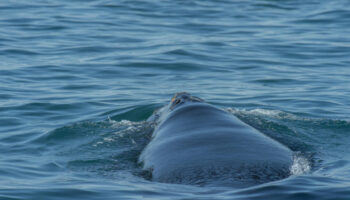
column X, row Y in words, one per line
column 274, row 6
column 20, row 52
column 175, row 66
column 277, row 81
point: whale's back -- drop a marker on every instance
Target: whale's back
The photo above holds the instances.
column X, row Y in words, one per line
column 201, row 144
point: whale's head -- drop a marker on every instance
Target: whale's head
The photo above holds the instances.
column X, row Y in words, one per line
column 179, row 99
column 182, row 98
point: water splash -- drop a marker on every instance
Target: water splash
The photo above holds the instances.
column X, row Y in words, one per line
column 301, row 165
column 277, row 114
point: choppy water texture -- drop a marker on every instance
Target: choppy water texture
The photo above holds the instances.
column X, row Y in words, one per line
column 78, row 79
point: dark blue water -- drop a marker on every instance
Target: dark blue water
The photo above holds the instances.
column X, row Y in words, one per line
column 78, row 79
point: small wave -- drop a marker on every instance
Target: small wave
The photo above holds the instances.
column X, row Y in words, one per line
column 333, row 14
column 276, row 81
column 105, row 148
column 133, row 113
column 172, row 66
column 277, row 114
column 20, row 52
column 275, row 6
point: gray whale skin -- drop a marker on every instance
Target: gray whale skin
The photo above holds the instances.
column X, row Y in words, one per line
column 197, row 143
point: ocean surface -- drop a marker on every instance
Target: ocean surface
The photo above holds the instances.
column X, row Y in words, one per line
column 78, row 80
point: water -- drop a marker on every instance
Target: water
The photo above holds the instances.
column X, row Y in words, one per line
column 78, row 79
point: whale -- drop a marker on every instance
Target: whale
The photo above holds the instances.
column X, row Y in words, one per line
column 196, row 143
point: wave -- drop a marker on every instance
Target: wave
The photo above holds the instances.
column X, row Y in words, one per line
column 106, row 148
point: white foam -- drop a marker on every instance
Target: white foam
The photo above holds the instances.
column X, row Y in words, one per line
column 122, row 123
column 300, row 165
column 265, row 112
column 123, row 128
column 107, row 139
column 126, row 125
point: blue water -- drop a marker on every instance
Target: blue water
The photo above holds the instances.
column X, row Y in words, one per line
column 79, row 78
